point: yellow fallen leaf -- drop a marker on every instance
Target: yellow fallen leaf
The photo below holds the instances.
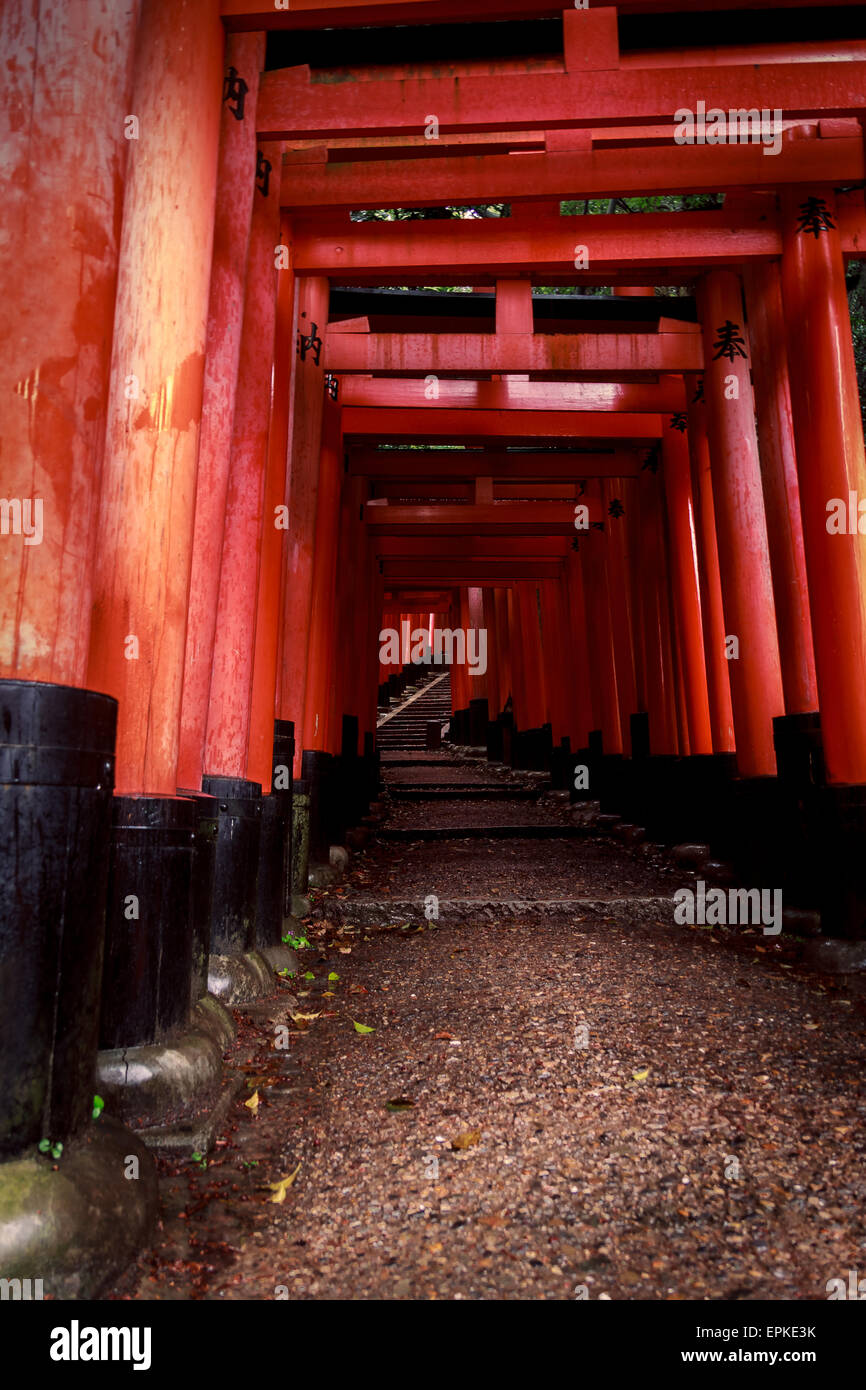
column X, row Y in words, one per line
column 467, row 1140
column 641, row 1075
column 303, row 1021
column 362, row 1028
column 253, row 1102
column 811, row 1026
column 280, row 1188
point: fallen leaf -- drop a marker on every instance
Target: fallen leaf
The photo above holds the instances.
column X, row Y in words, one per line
column 304, row 1020
column 641, row 1075
column 467, row 1140
column 253, row 1103
column 446, row 1036
column 280, row 1188
column 362, row 1028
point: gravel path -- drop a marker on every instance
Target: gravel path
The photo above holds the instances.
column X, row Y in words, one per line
column 544, row 1109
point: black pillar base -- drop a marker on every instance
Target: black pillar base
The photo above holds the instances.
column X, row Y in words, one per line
column 283, row 784
column 478, row 717
column 76, row 1224
column 561, row 761
column 317, row 769
column 149, row 928
column 203, row 868
column 753, row 838
column 237, row 863
column 56, row 779
column 495, row 751
column 839, row 846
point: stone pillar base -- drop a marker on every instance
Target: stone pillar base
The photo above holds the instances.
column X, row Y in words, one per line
column 172, row 1094
column 239, row 979
column 77, row 1227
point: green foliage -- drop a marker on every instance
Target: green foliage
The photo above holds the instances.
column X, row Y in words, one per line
column 300, row 943
column 856, row 280
column 46, row 1147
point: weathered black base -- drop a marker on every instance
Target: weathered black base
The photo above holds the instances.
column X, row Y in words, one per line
column 237, row 863
column 78, row 1227
column 56, row 778
column 317, row 768
column 203, row 868
column 839, row 847
column 149, row 925
column 238, row 979
column 168, row 1091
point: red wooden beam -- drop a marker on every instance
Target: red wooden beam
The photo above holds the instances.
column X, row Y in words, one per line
column 676, row 169
column 485, row 547
column 520, row 518
column 534, row 242
column 335, row 14
column 440, row 464
column 668, row 394
column 464, row 492
column 291, row 103
column 500, row 427
column 462, row 571
column 605, row 356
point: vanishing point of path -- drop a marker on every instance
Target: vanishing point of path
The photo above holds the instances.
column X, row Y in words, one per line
column 572, row 1099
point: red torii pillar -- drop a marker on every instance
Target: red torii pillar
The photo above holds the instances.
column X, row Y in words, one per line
column 306, row 414
column 317, row 733
column 712, row 610
column 655, row 613
column 583, row 718
column 494, row 678
column 593, row 553
column 781, row 488
column 269, row 604
column 559, row 659
column 146, row 518
column 479, row 711
column 618, row 566
column 227, row 741
column 238, row 759
column 832, row 473
column 326, row 801
column 234, row 199
column 756, row 678
column 148, row 486
column 66, row 167
column 678, row 496
column 64, row 104
column 503, row 645
column 829, row 435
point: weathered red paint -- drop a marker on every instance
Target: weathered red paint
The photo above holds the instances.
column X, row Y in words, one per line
column 831, row 464
column 141, row 586
column 249, row 534
column 234, row 197
column 756, row 678
column 64, row 162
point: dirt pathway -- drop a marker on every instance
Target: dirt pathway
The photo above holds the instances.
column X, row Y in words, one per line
column 547, row 1107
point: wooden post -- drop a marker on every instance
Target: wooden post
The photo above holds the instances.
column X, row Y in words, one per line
column 65, row 162
column 141, row 587
column 234, row 199
column 744, row 560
